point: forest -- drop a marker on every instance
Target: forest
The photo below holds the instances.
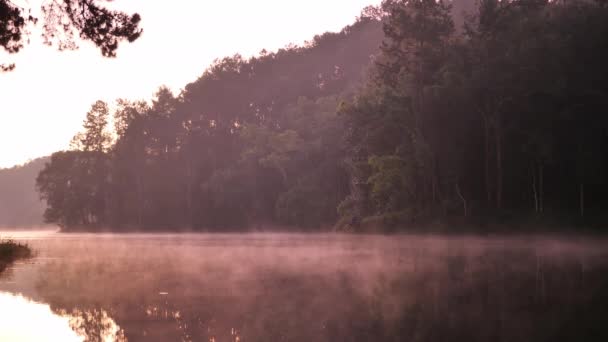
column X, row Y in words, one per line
column 415, row 114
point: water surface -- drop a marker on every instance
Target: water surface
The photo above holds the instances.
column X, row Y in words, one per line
column 286, row 287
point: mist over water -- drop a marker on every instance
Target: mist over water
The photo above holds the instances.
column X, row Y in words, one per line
column 323, row 287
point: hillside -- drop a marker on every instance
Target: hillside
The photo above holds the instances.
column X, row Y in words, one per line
column 19, row 203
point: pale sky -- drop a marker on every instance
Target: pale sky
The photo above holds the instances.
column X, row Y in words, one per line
column 44, row 100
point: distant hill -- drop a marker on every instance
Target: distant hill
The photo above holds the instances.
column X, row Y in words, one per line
column 19, row 203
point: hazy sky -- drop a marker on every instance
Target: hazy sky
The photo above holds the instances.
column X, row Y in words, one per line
column 44, row 101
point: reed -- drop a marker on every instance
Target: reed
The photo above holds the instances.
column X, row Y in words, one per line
column 11, row 250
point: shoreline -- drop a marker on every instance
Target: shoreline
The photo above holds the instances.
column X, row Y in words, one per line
column 11, row 251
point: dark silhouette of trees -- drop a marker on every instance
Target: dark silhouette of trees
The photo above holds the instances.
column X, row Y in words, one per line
column 75, row 184
column 63, row 21
column 411, row 115
column 250, row 142
column 503, row 120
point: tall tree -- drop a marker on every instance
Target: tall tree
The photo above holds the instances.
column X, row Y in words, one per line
column 95, row 137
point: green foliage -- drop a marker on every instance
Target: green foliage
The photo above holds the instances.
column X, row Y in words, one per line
column 75, row 184
column 229, row 199
column 502, row 114
column 502, row 117
column 305, row 205
column 388, row 221
column 391, row 183
column 280, row 146
column 251, row 141
column 346, row 208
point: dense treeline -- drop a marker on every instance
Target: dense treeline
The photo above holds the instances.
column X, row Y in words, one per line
column 19, row 202
column 506, row 120
column 251, row 142
column 500, row 117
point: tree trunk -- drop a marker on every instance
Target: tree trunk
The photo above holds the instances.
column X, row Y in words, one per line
column 140, row 201
column 499, row 170
column 433, row 191
column 534, row 191
column 435, row 184
column 464, row 201
column 189, row 176
column 486, row 125
column 540, row 186
column 582, row 199
column 438, row 191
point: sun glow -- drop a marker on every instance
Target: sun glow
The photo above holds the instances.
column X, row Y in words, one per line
column 18, row 313
column 45, row 98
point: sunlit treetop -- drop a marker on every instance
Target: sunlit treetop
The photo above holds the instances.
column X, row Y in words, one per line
column 63, row 20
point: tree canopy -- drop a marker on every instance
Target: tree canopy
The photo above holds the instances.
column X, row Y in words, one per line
column 251, row 141
column 503, row 120
column 413, row 114
column 63, row 20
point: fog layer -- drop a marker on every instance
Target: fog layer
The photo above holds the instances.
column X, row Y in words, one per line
column 275, row 287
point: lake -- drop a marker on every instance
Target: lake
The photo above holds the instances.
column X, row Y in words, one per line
column 295, row 287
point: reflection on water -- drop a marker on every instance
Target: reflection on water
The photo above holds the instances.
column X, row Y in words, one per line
column 23, row 320
column 321, row 287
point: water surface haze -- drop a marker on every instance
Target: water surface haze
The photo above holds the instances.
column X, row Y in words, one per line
column 297, row 287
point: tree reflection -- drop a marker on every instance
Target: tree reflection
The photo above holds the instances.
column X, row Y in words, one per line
column 94, row 325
